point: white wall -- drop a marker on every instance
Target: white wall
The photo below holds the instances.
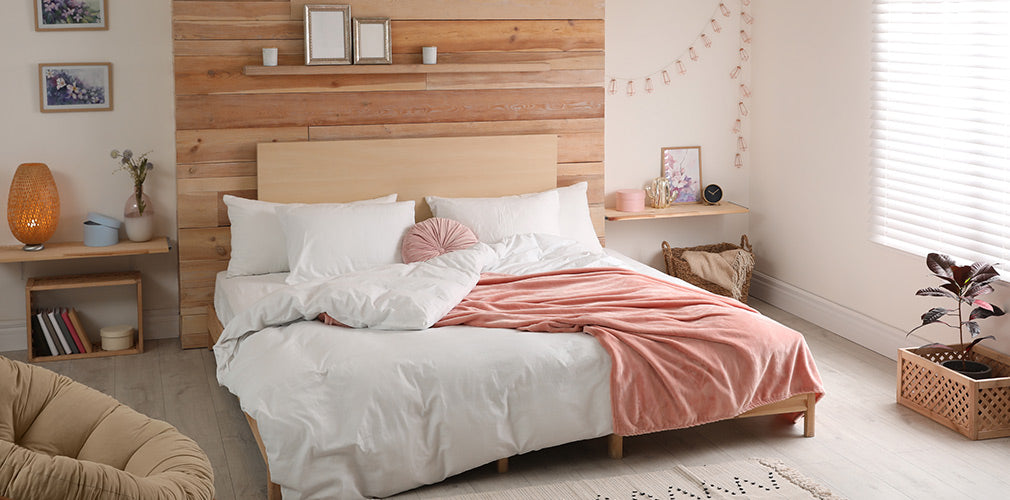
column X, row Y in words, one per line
column 810, row 181
column 694, row 110
column 76, row 147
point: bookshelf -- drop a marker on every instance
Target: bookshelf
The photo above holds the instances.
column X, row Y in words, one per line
column 36, row 285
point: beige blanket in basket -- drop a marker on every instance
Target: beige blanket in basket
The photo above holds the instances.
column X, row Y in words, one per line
column 727, row 269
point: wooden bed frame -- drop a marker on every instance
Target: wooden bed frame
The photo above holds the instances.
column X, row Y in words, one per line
column 335, row 171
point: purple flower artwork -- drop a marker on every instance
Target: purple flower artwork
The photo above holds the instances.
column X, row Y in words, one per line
column 71, row 87
column 70, row 14
column 76, row 87
column 682, row 169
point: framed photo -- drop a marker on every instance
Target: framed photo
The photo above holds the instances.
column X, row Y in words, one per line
column 327, row 34
column 372, row 43
column 75, row 87
column 58, row 15
column 682, row 167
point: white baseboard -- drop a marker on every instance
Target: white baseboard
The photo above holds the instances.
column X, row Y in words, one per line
column 844, row 322
column 158, row 324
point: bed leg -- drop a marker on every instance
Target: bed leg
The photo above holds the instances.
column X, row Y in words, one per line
column 615, row 446
column 503, row 465
column 808, row 416
column 273, row 491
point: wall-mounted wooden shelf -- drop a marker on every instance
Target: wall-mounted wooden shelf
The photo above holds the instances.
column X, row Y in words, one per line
column 681, row 210
column 77, row 250
column 393, row 69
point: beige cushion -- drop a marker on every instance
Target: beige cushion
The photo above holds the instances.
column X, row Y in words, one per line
column 62, row 439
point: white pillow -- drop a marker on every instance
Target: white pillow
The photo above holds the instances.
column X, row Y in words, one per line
column 485, row 215
column 326, row 241
column 492, row 219
column 257, row 243
column 574, row 219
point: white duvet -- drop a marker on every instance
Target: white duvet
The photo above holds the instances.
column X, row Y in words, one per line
column 392, row 405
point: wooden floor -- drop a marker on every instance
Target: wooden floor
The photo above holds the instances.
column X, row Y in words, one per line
column 866, row 446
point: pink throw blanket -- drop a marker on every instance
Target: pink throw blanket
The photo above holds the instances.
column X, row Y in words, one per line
column 680, row 357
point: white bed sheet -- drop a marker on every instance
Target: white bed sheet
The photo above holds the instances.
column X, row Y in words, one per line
column 348, row 413
column 236, row 294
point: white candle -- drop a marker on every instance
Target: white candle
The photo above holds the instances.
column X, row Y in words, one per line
column 429, row 55
column 270, row 56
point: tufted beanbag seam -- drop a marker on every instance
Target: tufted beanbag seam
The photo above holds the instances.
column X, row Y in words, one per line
column 62, row 387
column 47, row 476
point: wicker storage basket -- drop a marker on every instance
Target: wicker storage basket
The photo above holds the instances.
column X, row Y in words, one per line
column 978, row 409
column 678, row 267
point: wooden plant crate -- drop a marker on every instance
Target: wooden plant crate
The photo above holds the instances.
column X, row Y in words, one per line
column 978, row 409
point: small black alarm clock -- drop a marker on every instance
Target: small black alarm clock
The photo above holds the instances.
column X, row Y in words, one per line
column 712, row 194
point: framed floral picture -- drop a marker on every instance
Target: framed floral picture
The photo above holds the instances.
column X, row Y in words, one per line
column 75, row 87
column 57, row 15
column 682, row 168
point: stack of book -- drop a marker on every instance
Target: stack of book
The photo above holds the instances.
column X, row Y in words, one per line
column 56, row 332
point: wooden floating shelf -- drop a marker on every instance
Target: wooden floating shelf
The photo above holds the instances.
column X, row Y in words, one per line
column 394, row 69
column 77, row 250
column 681, row 210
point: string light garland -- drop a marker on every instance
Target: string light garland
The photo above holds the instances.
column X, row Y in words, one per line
column 743, row 57
column 712, row 28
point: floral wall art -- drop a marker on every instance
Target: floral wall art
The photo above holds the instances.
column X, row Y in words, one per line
column 75, row 87
column 682, row 169
column 52, row 15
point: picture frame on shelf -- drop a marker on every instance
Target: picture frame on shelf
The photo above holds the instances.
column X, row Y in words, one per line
column 327, row 34
column 372, row 41
column 63, row 15
column 65, row 87
column 682, row 168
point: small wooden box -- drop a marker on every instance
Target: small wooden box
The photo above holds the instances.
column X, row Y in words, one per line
column 978, row 409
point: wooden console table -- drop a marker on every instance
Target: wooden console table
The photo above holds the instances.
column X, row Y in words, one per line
column 77, row 250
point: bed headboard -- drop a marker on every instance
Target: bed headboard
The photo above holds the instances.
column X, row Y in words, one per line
column 336, row 171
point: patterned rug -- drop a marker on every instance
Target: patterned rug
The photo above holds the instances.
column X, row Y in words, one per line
column 746, row 479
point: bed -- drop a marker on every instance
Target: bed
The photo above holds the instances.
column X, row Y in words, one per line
column 326, row 403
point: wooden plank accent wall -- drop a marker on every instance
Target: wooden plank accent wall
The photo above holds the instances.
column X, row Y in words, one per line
column 221, row 114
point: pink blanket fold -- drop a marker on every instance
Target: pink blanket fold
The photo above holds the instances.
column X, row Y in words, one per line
column 681, row 357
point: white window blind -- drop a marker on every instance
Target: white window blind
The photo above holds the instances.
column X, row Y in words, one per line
column 941, row 127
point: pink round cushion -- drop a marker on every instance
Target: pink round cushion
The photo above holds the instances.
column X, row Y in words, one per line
column 434, row 237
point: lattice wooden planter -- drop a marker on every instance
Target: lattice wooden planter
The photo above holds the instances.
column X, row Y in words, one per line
column 979, row 409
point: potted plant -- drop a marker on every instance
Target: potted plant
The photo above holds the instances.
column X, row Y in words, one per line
column 964, row 284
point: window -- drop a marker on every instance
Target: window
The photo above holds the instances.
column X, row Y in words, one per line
column 941, row 127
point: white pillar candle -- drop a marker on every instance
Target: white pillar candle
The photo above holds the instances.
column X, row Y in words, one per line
column 429, row 55
column 270, row 56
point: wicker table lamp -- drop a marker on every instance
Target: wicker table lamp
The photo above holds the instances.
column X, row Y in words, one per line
column 33, row 206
